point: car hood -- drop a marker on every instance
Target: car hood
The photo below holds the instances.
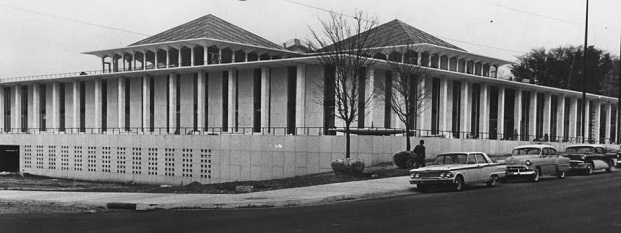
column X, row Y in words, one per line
column 518, row 160
column 448, row 167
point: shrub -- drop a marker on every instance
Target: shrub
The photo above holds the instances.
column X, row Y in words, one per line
column 404, row 159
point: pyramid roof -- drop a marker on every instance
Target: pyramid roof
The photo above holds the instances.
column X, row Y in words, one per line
column 396, row 33
column 209, row 26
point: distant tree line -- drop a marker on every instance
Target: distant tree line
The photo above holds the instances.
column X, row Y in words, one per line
column 562, row 67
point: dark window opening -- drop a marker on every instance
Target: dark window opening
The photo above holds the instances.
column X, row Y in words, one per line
column 435, row 106
column 475, row 111
column 539, row 118
column 82, row 90
column 456, row 114
column 206, row 103
column 127, row 103
column 178, row 104
column 291, row 92
column 195, row 102
column 7, row 109
column 168, row 103
column 525, row 119
column 42, row 107
column 553, row 116
column 579, row 119
column 387, row 100
column 567, row 109
column 361, row 96
column 509, row 115
column 225, row 101
column 236, row 101
column 24, row 108
column 152, row 104
column 493, row 113
column 104, row 105
column 329, row 100
column 62, row 107
column 257, row 101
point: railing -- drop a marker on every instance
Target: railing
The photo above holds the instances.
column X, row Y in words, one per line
column 300, row 131
column 51, row 76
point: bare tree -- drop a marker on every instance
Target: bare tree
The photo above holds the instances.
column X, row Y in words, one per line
column 344, row 46
column 408, row 97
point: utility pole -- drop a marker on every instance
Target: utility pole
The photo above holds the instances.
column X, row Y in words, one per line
column 584, row 71
column 619, row 98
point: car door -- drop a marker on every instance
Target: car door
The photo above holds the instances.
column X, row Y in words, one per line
column 471, row 169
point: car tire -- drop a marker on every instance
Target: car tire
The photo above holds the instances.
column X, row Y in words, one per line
column 492, row 181
column 458, row 185
column 589, row 170
column 422, row 187
column 610, row 166
column 536, row 176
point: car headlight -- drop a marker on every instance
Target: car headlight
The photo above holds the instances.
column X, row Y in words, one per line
column 416, row 175
column 528, row 163
column 446, row 175
column 583, row 157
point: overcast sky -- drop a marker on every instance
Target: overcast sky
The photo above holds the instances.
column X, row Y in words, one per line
column 34, row 39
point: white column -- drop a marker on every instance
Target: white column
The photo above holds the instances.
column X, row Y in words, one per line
column 560, row 118
column 17, row 123
column 465, row 108
column 232, row 56
column 232, row 100
column 484, row 108
column 155, row 59
column 36, row 109
column 444, row 103
column 179, row 58
column 124, row 61
column 121, row 103
column 146, row 92
column 573, row 119
column 370, row 95
column 300, row 96
column 532, row 122
column 172, row 100
column 547, row 112
column 192, row 57
column 98, row 104
column 205, row 55
column 596, row 120
column 144, row 60
column 265, row 97
column 501, row 112
column 133, row 61
column 76, row 106
column 167, row 57
column 55, row 105
column 200, row 112
column 518, row 114
column 608, row 109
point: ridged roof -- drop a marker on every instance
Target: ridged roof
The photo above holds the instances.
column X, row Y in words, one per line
column 209, row 26
column 395, row 33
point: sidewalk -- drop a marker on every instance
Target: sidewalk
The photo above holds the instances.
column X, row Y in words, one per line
column 276, row 198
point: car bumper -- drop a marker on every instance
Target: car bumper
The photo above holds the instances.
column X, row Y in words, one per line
column 519, row 173
column 579, row 166
column 438, row 181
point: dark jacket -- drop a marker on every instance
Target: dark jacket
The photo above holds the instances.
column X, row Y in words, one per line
column 420, row 151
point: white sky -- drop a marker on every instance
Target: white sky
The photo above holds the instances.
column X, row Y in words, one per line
column 34, row 44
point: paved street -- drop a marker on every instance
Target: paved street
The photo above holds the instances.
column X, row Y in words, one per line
column 576, row 204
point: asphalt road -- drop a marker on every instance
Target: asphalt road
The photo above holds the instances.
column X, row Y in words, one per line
column 574, row 204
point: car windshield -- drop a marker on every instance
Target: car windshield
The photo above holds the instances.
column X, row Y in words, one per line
column 580, row 149
column 451, row 159
column 526, row 151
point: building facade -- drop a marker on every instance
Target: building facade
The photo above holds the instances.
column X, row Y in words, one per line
column 208, row 101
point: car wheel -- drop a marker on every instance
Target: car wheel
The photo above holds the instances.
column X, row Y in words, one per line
column 536, row 176
column 589, row 170
column 610, row 166
column 422, row 187
column 560, row 175
column 459, row 184
column 492, row 181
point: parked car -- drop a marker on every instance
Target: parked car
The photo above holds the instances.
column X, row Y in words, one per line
column 456, row 170
column 589, row 157
column 534, row 161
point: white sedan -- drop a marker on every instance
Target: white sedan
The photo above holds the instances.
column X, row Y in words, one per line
column 457, row 169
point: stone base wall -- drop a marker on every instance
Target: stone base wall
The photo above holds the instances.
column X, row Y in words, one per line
column 182, row 159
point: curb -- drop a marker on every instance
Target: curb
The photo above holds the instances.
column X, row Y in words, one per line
column 270, row 204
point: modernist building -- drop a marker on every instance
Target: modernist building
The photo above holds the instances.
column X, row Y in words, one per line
column 211, row 102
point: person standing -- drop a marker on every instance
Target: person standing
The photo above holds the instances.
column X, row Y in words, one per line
column 420, row 153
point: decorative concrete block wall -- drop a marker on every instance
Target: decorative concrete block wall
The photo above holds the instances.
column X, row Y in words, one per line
column 182, row 159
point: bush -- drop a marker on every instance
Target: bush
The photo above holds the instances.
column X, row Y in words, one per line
column 347, row 166
column 404, row 159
